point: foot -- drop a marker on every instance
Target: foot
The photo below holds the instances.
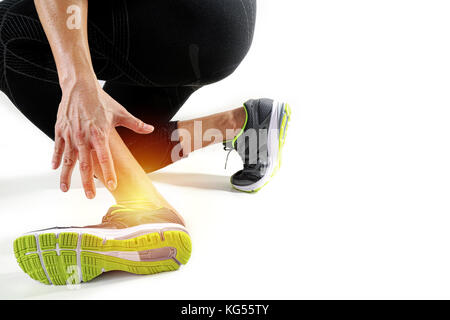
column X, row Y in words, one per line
column 139, row 241
column 260, row 143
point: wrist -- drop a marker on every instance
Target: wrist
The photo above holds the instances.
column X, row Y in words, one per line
column 75, row 71
column 73, row 80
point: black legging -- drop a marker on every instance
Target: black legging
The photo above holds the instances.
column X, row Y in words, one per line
column 153, row 54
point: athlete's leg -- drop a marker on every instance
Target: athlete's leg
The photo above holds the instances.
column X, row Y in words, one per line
column 28, row 77
column 203, row 42
column 216, row 128
column 185, row 57
column 156, row 43
column 134, row 187
column 157, row 106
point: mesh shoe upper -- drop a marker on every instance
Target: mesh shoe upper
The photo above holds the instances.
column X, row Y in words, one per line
column 251, row 143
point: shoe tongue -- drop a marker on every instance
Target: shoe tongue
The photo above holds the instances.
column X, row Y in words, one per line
column 114, row 208
column 116, row 213
column 249, row 135
column 252, row 155
column 228, row 145
column 257, row 118
column 128, row 207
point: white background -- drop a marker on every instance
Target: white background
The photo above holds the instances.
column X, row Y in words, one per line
column 361, row 206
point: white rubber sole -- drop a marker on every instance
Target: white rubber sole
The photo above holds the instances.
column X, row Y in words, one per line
column 115, row 234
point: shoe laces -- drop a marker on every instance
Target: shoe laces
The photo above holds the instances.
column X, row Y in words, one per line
column 228, row 154
column 244, row 157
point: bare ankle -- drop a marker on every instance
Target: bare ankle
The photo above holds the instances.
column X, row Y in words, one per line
column 238, row 118
column 227, row 124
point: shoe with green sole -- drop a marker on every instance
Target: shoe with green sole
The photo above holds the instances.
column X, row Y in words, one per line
column 260, row 143
column 138, row 241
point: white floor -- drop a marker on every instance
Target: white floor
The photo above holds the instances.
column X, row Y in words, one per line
column 361, row 206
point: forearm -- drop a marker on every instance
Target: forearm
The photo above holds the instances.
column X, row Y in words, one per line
column 86, row 114
column 65, row 24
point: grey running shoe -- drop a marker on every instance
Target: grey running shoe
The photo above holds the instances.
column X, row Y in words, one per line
column 260, row 143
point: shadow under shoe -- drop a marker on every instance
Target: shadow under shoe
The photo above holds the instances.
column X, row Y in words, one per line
column 139, row 241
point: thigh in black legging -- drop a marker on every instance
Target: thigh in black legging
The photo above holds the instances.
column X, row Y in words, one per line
column 189, row 42
column 165, row 43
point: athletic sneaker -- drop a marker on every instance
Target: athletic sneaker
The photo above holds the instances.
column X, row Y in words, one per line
column 260, row 143
column 137, row 241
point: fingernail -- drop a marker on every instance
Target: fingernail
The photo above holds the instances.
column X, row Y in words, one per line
column 53, row 165
column 111, row 185
column 89, row 194
column 148, row 127
column 63, row 187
